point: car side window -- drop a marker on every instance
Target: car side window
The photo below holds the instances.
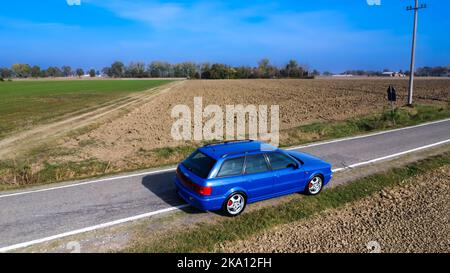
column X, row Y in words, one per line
column 231, row 167
column 279, row 161
column 256, row 164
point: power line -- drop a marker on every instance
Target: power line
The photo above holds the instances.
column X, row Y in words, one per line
column 416, row 9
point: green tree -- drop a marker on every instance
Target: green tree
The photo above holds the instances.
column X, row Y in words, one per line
column 53, row 71
column 21, row 70
column 263, row 66
column 107, row 71
column 66, row 71
column 135, row 70
column 205, row 71
column 158, row 69
column 35, row 71
column 244, row 72
column 5, row 73
column 185, row 70
column 219, row 71
column 79, row 72
column 92, row 73
column 266, row 70
column 117, row 69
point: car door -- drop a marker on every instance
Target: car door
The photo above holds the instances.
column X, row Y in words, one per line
column 288, row 173
column 258, row 176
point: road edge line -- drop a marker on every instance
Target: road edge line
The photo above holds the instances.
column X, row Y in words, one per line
column 91, row 228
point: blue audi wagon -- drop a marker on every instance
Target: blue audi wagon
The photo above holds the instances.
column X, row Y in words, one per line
column 227, row 176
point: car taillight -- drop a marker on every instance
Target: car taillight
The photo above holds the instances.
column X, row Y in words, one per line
column 203, row 190
column 197, row 188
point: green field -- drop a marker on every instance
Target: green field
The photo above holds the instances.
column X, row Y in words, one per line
column 27, row 103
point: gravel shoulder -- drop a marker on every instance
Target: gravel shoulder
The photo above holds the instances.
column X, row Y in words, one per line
column 413, row 218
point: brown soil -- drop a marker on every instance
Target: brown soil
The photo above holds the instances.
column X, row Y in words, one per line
column 301, row 101
column 411, row 218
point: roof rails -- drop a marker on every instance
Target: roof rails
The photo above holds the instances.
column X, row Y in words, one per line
column 246, row 152
column 228, row 142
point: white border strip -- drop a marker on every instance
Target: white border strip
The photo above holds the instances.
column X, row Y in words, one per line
column 366, row 135
column 390, row 156
column 88, row 182
column 92, row 228
column 149, row 214
column 172, row 169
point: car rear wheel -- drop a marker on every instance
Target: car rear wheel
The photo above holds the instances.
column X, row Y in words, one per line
column 315, row 185
column 234, row 205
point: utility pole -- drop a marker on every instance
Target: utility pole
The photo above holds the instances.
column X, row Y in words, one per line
column 416, row 9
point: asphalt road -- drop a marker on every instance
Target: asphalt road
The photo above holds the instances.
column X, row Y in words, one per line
column 32, row 215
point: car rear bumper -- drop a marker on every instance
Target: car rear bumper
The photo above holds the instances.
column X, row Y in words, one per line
column 202, row 203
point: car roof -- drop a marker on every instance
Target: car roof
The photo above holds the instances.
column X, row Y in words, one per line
column 221, row 150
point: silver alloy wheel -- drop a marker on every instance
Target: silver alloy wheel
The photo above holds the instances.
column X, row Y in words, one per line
column 315, row 185
column 235, row 204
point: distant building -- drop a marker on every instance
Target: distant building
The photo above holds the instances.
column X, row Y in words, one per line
column 393, row 74
column 343, row 75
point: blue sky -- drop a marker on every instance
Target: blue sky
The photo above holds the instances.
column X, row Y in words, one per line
column 326, row 35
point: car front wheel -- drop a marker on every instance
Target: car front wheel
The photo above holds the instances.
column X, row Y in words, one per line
column 234, row 205
column 314, row 186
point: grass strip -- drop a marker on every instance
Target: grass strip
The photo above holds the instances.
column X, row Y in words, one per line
column 400, row 117
column 204, row 238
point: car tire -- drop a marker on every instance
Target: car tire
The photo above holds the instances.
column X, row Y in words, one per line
column 314, row 186
column 234, row 205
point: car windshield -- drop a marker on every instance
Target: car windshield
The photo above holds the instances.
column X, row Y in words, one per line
column 199, row 163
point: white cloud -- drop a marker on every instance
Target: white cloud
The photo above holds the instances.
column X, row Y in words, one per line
column 73, row 2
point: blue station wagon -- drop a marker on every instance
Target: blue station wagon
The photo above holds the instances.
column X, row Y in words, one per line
column 229, row 175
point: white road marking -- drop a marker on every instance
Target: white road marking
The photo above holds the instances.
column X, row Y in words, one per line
column 88, row 182
column 391, row 156
column 87, row 229
column 366, row 135
column 172, row 169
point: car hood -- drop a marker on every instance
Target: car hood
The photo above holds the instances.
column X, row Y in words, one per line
column 309, row 159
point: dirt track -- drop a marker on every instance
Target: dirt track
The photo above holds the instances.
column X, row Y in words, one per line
column 410, row 218
column 22, row 141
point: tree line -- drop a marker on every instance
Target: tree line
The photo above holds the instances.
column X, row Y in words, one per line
column 438, row 71
column 161, row 69
column 28, row 71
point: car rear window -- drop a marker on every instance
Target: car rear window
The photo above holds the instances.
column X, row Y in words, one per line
column 231, row 167
column 199, row 163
